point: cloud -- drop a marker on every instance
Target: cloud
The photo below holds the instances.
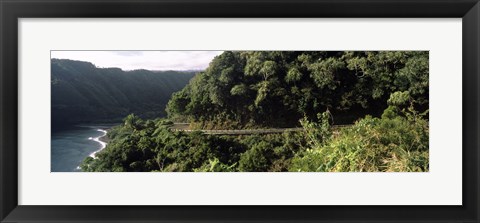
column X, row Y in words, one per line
column 149, row 60
column 128, row 53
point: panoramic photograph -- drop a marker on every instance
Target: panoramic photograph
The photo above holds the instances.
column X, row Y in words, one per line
column 239, row 111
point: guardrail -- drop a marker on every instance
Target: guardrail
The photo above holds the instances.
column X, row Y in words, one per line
column 242, row 131
column 248, row 131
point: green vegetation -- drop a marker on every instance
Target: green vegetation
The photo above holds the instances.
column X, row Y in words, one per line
column 381, row 96
column 84, row 93
column 139, row 145
column 398, row 141
column 251, row 89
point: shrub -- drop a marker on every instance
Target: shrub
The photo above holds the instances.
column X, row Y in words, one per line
column 390, row 143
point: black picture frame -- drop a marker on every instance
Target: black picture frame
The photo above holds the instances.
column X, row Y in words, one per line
column 12, row 10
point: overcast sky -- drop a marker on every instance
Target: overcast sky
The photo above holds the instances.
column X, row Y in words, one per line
column 149, row 60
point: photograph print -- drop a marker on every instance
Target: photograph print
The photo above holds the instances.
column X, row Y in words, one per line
column 239, row 111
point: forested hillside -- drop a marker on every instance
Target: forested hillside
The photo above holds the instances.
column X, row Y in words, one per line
column 382, row 96
column 277, row 88
column 83, row 93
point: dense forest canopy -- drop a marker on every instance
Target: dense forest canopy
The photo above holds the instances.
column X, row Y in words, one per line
column 384, row 95
column 83, row 93
column 277, row 88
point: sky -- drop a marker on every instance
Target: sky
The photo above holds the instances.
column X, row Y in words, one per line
column 149, row 60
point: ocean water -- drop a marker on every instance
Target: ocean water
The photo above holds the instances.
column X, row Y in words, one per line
column 71, row 146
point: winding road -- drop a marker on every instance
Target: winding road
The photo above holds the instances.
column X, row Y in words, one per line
column 183, row 127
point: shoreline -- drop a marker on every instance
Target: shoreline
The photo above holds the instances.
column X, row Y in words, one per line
column 103, row 140
column 99, row 139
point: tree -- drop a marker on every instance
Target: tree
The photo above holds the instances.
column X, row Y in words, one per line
column 277, row 88
column 132, row 122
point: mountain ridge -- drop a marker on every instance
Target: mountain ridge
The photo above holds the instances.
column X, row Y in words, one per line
column 83, row 93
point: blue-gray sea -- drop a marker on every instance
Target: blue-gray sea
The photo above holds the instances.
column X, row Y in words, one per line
column 72, row 145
